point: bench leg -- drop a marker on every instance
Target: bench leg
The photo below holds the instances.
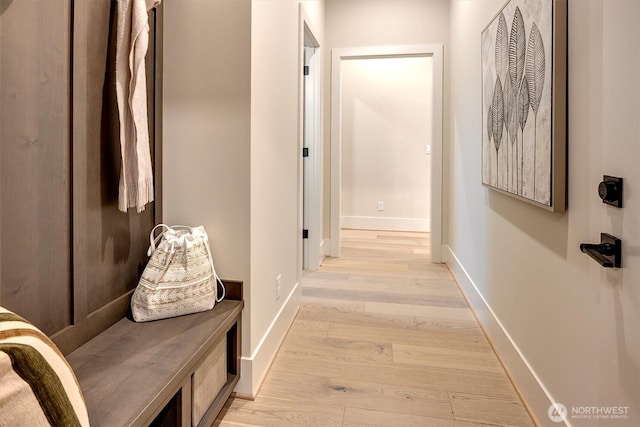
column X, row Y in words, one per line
column 185, row 403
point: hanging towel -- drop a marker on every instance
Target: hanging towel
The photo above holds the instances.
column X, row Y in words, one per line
column 132, row 41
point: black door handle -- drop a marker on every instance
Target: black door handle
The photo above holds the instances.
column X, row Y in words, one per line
column 602, row 248
column 608, row 253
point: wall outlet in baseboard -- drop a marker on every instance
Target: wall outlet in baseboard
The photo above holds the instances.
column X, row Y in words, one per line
column 278, row 285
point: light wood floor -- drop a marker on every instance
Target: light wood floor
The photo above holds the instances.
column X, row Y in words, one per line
column 383, row 338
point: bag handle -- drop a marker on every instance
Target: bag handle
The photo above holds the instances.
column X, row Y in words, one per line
column 153, row 242
column 215, row 275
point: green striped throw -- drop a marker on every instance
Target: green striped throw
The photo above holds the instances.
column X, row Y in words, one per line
column 37, row 385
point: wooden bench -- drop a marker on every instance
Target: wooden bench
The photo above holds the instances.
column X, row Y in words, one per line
column 158, row 373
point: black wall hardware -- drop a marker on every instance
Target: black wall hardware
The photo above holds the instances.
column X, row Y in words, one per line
column 610, row 191
column 305, row 234
column 608, row 253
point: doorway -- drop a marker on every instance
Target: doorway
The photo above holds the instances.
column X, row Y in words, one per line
column 311, row 151
column 386, row 143
column 340, row 67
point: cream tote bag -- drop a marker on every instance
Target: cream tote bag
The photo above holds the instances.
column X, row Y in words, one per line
column 179, row 278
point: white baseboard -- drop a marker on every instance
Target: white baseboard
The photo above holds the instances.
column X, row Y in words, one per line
column 386, row 223
column 325, row 249
column 535, row 395
column 254, row 369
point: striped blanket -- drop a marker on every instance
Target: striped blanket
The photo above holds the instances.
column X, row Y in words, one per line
column 37, row 385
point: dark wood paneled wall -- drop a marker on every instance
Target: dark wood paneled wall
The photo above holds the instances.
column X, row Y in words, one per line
column 69, row 259
column 35, row 161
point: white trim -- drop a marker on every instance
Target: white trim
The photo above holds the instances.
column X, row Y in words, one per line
column 385, row 223
column 536, row 395
column 337, row 56
column 336, row 148
column 436, row 155
column 254, row 369
column 312, row 191
column 325, row 249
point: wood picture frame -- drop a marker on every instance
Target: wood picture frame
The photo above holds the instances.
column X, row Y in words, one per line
column 524, row 99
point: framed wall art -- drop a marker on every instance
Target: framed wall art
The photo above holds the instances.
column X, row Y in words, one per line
column 524, row 95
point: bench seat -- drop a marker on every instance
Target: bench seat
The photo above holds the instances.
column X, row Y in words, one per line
column 132, row 372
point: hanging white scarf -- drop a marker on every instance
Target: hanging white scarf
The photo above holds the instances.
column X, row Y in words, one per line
column 132, row 41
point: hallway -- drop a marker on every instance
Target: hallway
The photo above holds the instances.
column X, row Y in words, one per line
column 383, row 338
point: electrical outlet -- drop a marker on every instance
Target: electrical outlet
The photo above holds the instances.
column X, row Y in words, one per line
column 428, row 148
column 380, row 205
column 278, row 285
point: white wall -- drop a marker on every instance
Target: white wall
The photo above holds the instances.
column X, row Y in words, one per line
column 207, row 90
column 276, row 233
column 575, row 324
column 386, row 111
column 362, row 23
column 231, row 151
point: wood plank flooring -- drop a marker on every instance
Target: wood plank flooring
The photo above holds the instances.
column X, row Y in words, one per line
column 383, row 338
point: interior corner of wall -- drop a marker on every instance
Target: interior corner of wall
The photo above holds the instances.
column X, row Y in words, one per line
column 245, row 387
column 254, row 368
column 325, row 247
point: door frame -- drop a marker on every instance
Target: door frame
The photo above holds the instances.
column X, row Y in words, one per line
column 309, row 129
column 337, row 56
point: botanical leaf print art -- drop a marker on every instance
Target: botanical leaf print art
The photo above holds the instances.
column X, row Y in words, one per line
column 502, row 48
column 497, row 119
column 517, row 53
column 523, row 114
column 516, row 70
column 535, row 70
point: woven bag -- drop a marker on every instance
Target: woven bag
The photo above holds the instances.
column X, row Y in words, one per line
column 179, row 278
